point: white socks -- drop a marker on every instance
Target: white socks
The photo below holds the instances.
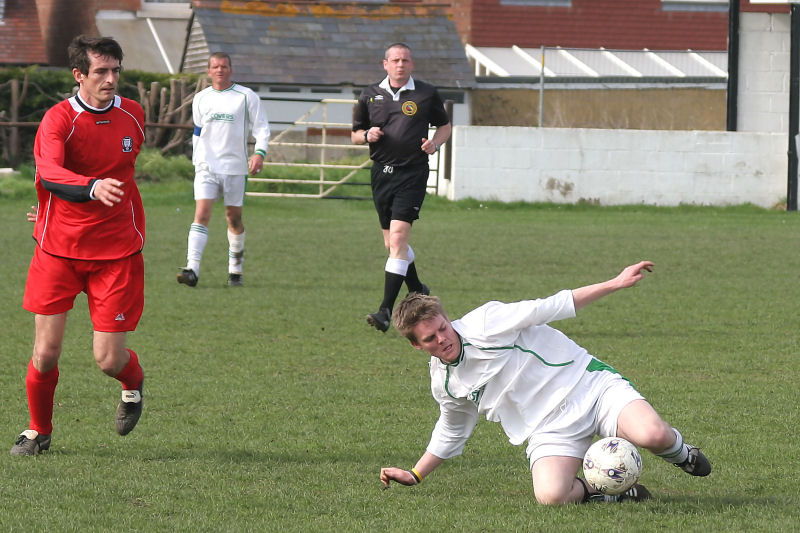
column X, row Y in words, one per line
column 198, row 237
column 679, row 451
column 235, row 252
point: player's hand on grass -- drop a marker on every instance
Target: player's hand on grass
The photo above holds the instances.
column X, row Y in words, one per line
column 32, row 213
column 109, row 191
column 398, row 475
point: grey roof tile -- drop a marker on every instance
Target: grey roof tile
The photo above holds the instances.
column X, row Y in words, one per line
column 342, row 45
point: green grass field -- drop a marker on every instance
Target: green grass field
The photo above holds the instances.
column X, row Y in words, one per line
column 273, row 407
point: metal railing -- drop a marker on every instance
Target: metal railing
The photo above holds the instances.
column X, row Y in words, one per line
column 325, row 185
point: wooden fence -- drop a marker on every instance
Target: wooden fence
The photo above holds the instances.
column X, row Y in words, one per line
column 168, row 117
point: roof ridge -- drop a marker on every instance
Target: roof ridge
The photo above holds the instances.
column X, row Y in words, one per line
column 334, row 9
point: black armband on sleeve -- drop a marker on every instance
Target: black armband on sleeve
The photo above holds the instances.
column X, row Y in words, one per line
column 70, row 193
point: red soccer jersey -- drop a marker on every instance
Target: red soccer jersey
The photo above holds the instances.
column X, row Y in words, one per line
column 75, row 146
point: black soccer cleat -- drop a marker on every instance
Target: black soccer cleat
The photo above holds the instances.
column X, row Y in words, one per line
column 30, row 442
column 235, row 280
column 697, row 464
column 422, row 290
column 637, row 493
column 188, row 277
column 380, row 319
column 129, row 410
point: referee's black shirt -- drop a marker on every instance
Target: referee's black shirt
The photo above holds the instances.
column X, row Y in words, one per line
column 404, row 122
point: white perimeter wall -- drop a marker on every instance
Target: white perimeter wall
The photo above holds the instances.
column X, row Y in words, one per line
column 764, row 68
column 613, row 167
column 616, row 167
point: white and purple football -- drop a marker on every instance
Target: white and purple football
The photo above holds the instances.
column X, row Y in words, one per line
column 612, row 465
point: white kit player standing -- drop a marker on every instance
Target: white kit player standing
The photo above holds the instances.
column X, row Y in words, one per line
column 224, row 115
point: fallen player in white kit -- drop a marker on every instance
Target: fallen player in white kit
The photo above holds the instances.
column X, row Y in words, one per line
column 504, row 361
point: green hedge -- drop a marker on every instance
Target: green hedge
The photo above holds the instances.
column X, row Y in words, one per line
column 47, row 86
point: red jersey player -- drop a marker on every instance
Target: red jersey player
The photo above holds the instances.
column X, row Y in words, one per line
column 90, row 231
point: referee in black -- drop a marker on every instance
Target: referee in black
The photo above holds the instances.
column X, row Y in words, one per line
column 393, row 116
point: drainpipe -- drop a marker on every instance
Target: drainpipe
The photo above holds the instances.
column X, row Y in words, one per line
column 733, row 64
column 794, row 107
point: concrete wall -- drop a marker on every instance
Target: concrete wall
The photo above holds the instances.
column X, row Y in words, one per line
column 616, row 167
column 764, row 61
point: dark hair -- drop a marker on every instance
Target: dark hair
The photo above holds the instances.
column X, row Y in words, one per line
column 412, row 310
column 220, row 55
column 81, row 45
column 396, row 45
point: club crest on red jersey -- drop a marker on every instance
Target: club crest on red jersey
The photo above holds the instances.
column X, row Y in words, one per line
column 127, row 144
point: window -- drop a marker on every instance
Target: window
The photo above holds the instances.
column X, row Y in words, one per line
column 537, row 3
column 694, row 5
column 2, row 12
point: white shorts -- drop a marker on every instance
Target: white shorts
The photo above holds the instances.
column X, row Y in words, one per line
column 592, row 408
column 209, row 186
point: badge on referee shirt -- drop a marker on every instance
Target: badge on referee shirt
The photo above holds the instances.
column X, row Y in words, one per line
column 409, row 108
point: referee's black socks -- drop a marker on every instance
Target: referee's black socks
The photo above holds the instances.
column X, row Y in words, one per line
column 412, row 279
column 391, row 288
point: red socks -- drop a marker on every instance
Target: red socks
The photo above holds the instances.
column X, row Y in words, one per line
column 131, row 376
column 41, row 388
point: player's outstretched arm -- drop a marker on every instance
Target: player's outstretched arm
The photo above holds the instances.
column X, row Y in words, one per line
column 629, row 277
column 426, row 464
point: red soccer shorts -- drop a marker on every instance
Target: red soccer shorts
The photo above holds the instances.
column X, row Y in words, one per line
column 115, row 288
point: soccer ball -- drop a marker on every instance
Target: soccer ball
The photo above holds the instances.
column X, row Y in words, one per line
column 612, row 465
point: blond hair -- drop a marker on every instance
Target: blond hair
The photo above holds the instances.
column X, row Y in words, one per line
column 412, row 310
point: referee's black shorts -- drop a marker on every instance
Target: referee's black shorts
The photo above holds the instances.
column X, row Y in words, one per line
column 398, row 192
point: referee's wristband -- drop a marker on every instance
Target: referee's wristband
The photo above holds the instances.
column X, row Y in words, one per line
column 417, row 475
column 365, row 137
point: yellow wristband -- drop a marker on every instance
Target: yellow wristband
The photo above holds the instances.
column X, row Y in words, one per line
column 416, row 474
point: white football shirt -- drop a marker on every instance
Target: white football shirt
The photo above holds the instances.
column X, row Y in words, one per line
column 513, row 368
column 223, row 121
